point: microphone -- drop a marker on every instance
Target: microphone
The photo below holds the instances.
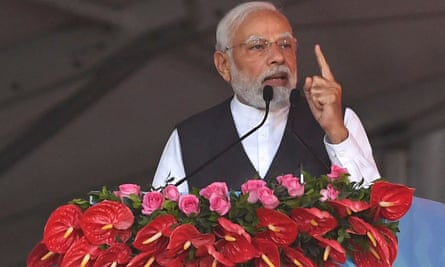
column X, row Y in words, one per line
column 295, row 93
column 267, row 96
column 294, row 98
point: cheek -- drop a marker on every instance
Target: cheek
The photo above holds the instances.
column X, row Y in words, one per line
column 253, row 70
column 292, row 63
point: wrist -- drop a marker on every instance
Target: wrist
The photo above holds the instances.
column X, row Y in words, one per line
column 337, row 136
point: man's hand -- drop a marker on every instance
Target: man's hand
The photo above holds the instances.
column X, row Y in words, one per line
column 324, row 95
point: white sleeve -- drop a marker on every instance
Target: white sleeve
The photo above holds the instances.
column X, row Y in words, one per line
column 171, row 165
column 355, row 153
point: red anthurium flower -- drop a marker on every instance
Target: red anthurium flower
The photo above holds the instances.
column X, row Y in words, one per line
column 176, row 261
column 346, row 207
column 378, row 245
column 313, row 221
column 196, row 263
column 369, row 258
column 40, row 256
column 296, row 258
column 185, row 236
column 62, row 228
column 332, row 249
column 391, row 200
column 143, row 259
column 330, row 264
column 391, row 240
column 267, row 253
column 279, row 227
column 211, row 257
column 235, row 242
column 156, row 259
column 82, row 253
column 117, row 255
column 231, row 227
column 155, row 235
column 107, row 222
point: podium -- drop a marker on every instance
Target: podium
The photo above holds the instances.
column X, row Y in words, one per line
column 421, row 241
column 422, row 235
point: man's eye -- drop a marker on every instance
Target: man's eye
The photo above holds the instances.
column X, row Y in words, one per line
column 258, row 47
column 285, row 45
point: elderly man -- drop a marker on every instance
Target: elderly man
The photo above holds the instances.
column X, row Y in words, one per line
column 255, row 47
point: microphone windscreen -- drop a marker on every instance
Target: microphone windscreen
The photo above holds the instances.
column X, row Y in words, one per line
column 294, row 96
column 267, row 93
column 296, row 93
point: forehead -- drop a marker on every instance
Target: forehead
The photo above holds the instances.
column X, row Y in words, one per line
column 263, row 23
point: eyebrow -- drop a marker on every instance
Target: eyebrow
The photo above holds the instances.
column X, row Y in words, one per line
column 259, row 37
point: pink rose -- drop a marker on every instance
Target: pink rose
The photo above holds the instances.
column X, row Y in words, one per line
column 188, row 204
column 336, row 171
column 330, row 193
column 267, row 198
column 251, row 187
column 218, row 188
column 125, row 190
column 171, row 192
column 220, row 205
column 151, row 202
column 292, row 183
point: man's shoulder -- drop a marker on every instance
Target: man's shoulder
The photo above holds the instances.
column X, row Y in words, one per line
column 199, row 132
column 212, row 114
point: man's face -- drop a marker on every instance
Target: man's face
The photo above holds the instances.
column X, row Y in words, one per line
column 263, row 53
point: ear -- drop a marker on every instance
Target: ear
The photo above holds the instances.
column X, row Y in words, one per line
column 222, row 64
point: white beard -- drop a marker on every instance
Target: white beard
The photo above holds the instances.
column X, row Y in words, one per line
column 250, row 91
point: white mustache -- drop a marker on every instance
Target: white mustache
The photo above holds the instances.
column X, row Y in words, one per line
column 276, row 70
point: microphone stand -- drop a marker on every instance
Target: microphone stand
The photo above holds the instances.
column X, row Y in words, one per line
column 267, row 96
column 294, row 97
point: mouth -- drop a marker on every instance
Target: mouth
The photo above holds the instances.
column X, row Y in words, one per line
column 277, row 79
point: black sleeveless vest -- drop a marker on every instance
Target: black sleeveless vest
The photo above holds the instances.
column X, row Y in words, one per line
column 206, row 134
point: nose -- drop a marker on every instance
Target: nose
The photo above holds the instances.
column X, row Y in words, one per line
column 275, row 55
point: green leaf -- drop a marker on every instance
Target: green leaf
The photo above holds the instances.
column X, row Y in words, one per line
column 82, row 203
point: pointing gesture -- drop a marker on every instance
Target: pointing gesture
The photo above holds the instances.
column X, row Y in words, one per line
column 323, row 64
column 324, row 95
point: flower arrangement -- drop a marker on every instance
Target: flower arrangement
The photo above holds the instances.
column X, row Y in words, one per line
column 315, row 221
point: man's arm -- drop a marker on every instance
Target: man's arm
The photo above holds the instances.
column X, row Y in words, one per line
column 355, row 152
column 324, row 96
column 346, row 141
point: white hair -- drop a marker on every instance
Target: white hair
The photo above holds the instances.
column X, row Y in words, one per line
column 227, row 25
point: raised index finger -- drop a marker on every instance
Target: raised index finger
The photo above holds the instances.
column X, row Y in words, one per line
column 323, row 64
